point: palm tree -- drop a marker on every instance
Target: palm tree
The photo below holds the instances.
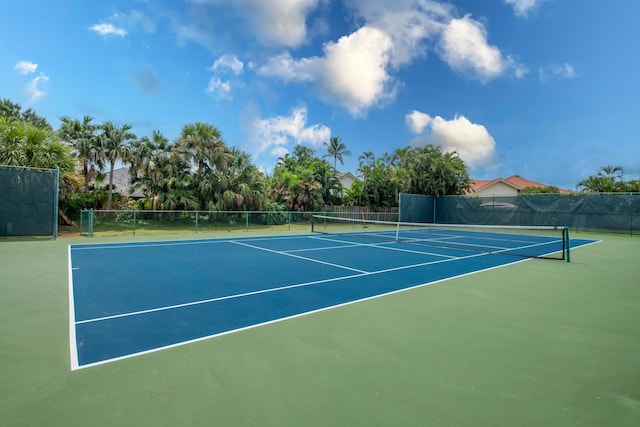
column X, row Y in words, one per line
column 365, row 161
column 612, row 176
column 303, row 155
column 608, row 179
column 115, row 144
column 204, row 144
column 151, row 165
column 336, row 149
column 81, row 136
column 326, row 176
column 24, row 144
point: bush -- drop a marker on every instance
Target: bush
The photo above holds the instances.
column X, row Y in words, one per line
column 275, row 214
column 73, row 204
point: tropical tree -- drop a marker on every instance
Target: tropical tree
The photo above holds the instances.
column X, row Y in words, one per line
column 82, row 137
column 608, row 179
column 326, row 176
column 549, row 189
column 154, row 163
column 241, row 184
column 297, row 180
column 365, row 162
column 114, row 145
column 432, row 172
column 204, row 145
column 336, row 149
column 24, row 144
column 13, row 111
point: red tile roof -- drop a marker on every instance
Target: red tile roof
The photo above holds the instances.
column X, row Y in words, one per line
column 515, row 181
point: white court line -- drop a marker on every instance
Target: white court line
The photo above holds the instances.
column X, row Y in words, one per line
column 169, row 243
column 298, row 256
column 281, row 319
column 280, row 288
column 206, row 301
column 262, row 291
column 74, row 354
column 73, row 345
column 373, row 245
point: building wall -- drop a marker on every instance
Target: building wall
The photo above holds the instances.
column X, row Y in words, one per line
column 497, row 189
column 346, row 181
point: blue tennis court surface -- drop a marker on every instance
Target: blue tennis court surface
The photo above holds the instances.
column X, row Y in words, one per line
column 132, row 298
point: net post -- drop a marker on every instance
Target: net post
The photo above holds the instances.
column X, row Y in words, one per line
column 134, row 222
column 567, row 243
column 313, row 223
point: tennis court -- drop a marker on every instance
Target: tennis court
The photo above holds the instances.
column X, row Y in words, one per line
column 531, row 343
column 128, row 299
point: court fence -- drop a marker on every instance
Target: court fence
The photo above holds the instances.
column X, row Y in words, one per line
column 28, row 201
column 136, row 222
column 610, row 212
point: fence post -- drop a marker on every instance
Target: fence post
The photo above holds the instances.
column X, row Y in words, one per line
column 196, row 222
column 134, row 222
column 55, row 203
column 630, row 214
column 90, row 226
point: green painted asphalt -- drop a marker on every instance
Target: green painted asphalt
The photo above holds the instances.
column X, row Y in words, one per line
column 538, row 343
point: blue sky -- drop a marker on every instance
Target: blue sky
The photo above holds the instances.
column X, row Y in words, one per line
column 546, row 89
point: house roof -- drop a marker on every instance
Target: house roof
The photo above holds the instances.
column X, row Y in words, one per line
column 346, row 175
column 514, row 181
column 122, row 183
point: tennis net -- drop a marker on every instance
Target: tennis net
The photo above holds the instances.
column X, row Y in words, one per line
column 551, row 242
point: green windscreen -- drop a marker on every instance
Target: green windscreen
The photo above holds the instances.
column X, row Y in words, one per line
column 612, row 212
column 28, row 201
column 416, row 208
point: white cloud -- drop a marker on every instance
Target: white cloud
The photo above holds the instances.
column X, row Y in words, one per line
column 465, row 48
column 25, row 67
column 107, row 30
column 355, row 70
column 524, row 7
column 33, row 88
column 417, row 121
column 279, row 22
column 228, row 62
column 288, row 68
column 218, row 88
column 352, row 73
column 135, row 18
column 274, row 135
column 410, row 24
column 565, row 71
column 224, row 64
column 473, row 142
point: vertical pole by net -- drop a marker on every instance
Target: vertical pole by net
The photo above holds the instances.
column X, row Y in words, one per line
column 196, row 222
column 567, row 244
column 435, row 200
column 134, row 222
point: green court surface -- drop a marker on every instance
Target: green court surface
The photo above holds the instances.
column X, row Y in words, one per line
column 537, row 343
